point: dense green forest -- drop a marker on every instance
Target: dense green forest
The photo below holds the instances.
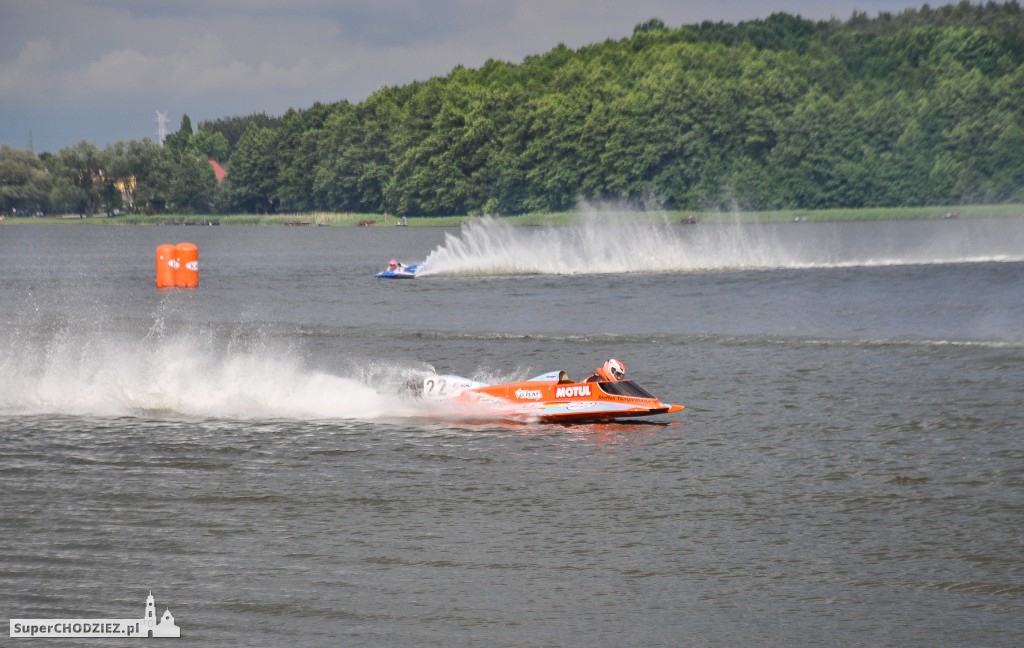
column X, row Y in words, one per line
column 922, row 107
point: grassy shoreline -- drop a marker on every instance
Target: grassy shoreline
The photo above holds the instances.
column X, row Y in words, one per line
column 329, row 219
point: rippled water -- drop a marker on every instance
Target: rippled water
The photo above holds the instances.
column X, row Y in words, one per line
column 848, row 471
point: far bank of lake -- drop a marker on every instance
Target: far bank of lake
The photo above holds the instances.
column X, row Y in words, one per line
column 335, row 219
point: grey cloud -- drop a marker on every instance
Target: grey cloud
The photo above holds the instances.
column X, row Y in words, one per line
column 86, row 59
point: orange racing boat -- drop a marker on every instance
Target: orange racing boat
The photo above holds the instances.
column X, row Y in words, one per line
column 549, row 398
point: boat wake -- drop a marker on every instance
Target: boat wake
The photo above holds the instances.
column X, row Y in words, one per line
column 76, row 373
column 602, row 242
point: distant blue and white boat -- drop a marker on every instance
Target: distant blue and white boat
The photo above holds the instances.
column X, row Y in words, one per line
column 401, row 272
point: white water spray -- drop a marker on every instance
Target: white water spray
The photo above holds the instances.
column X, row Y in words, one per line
column 76, row 372
column 615, row 242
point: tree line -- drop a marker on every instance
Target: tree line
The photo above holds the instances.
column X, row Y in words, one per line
column 921, row 107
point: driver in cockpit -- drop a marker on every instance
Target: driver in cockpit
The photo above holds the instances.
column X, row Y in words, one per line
column 612, row 371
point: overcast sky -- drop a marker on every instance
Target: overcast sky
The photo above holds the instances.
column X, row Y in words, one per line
column 98, row 70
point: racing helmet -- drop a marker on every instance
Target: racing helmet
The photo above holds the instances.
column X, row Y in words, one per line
column 392, row 263
column 615, row 369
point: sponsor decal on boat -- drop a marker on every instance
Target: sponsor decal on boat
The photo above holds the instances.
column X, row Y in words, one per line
column 528, row 394
column 573, row 390
column 579, row 406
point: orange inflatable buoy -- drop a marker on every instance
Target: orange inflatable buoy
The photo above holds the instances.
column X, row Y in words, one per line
column 186, row 275
column 166, row 260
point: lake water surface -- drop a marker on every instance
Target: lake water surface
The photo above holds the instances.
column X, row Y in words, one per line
column 849, row 469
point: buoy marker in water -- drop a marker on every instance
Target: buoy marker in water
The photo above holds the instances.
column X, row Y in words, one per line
column 177, row 266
